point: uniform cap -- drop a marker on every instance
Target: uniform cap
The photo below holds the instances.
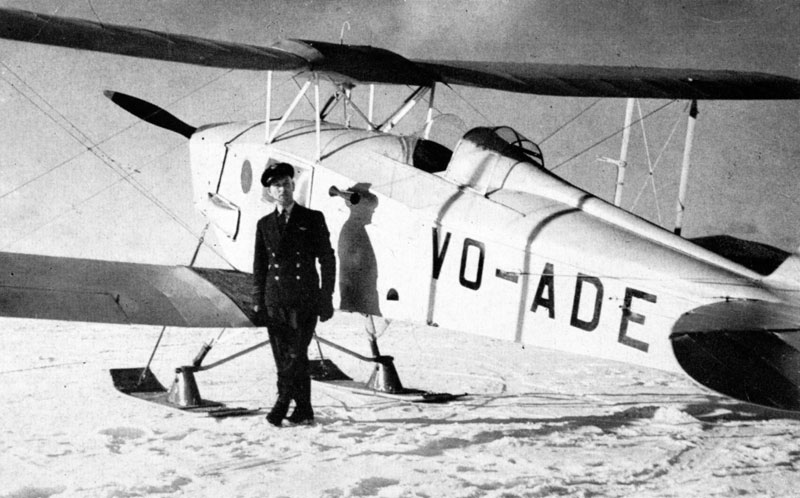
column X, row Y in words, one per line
column 275, row 171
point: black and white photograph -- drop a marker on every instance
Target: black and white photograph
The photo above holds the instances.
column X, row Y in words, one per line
column 399, row 248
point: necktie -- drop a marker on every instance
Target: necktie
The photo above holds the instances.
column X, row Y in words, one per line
column 282, row 219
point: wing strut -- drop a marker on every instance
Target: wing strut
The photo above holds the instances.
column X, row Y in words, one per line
column 687, row 153
column 429, row 116
column 371, row 103
column 622, row 162
column 317, row 118
column 623, row 153
column 268, row 110
column 343, row 93
column 409, row 104
column 285, row 117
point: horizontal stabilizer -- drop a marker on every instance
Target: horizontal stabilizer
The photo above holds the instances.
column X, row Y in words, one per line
column 747, row 350
column 365, row 64
column 787, row 275
column 739, row 316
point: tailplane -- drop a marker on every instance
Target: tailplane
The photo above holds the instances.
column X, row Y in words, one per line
column 787, row 275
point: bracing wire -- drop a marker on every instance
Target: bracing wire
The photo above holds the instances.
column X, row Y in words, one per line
column 100, row 142
column 94, row 147
column 650, row 168
column 469, row 104
column 657, row 161
column 75, row 206
column 609, row 137
column 566, row 123
column 94, row 11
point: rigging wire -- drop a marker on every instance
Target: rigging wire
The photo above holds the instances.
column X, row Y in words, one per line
column 548, row 137
column 57, row 365
column 94, row 147
column 658, row 160
column 305, row 95
column 650, row 168
column 612, row 135
column 100, row 142
column 94, row 11
column 83, row 201
column 469, row 104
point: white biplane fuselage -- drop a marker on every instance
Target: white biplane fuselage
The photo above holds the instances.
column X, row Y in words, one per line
column 491, row 244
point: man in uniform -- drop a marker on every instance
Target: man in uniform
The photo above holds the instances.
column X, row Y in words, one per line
column 288, row 292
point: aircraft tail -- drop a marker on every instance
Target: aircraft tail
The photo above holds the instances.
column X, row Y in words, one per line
column 746, row 349
column 787, row 274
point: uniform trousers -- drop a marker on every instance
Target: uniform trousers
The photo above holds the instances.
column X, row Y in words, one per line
column 290, row 333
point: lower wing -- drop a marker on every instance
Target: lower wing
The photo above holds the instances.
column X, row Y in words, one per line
column 57, row 288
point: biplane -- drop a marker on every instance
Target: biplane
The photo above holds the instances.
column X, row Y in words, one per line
column 480, row 238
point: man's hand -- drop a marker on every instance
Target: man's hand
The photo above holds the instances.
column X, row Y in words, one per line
column 260, row 319
column 325, row 310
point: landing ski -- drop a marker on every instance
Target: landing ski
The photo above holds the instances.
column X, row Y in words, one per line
column 143, row 384
column 326, row 373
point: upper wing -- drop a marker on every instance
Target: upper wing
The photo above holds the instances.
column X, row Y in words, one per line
column 86, row 290
column 612, row 81
column 33, row 27
column 363, row 64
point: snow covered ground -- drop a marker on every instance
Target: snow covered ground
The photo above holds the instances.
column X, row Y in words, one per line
column 536, row 423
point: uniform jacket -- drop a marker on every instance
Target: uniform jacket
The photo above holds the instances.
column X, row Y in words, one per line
column 284, row 266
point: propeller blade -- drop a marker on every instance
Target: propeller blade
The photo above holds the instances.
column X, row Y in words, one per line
column 150, row 113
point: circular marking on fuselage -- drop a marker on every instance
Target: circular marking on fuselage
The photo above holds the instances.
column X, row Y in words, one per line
column 247, row 176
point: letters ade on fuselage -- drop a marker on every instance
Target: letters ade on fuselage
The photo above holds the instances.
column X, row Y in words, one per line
column 544, row 298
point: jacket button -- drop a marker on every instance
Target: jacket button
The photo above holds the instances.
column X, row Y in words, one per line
column 277, row 265
column 298, row 277
column 277, row 277
column 298, row 265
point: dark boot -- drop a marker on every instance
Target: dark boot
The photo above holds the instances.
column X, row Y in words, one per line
column 278, row 412
column 303, row 414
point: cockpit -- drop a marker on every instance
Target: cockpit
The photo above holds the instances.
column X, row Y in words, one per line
column 516, row 144
column 485, row 158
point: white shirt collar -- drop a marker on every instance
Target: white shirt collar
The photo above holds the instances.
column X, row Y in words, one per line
column 288, row 209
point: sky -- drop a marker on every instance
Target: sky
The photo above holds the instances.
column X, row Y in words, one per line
column 134, row 202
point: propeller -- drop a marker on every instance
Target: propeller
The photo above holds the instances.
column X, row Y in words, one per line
column 150, row 113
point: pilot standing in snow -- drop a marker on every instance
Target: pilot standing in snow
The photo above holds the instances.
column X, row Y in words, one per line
column 288, row 294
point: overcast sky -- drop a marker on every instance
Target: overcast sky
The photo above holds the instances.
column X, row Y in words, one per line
column 57, row 198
